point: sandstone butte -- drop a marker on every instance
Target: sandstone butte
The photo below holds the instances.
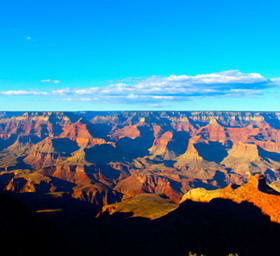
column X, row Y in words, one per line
column 256, row 191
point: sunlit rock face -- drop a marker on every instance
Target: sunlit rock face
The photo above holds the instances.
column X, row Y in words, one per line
column 256, row 191
column 106, row 157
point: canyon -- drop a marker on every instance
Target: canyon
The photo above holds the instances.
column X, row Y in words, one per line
column 106, row 157
column 111, row 174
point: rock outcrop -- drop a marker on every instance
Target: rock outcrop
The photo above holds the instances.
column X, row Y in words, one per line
column 256, row 191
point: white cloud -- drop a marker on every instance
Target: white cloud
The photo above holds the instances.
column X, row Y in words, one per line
column 62, row 91
column 157, row 90
column 231, row 76
column 23, row 92
column 50, row 81
column 275, row 80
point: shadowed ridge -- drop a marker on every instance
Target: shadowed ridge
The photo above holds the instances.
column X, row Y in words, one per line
column 220, row 227
column 47, row 224
column 216, row 228
column 263, row 187
column 269, row 155
column 22, row 234
column 256, row 191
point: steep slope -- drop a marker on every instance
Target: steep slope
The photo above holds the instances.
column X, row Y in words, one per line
column 160, row 144
column 190, row 158
column 148, row 183
column 79, row 133
column 244, row 158
column 256, row 191
column 79, row 186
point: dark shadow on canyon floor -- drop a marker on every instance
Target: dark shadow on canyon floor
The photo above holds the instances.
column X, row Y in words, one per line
column 216, row 228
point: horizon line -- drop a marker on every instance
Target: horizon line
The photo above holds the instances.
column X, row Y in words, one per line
column 53, row 111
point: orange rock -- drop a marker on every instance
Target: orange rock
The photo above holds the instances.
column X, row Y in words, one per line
column 255, row 192
column 160, row 144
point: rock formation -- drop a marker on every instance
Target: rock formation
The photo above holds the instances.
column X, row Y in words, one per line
column 116, row 155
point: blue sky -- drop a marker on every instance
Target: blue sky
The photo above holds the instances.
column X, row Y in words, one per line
column 139, row 55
